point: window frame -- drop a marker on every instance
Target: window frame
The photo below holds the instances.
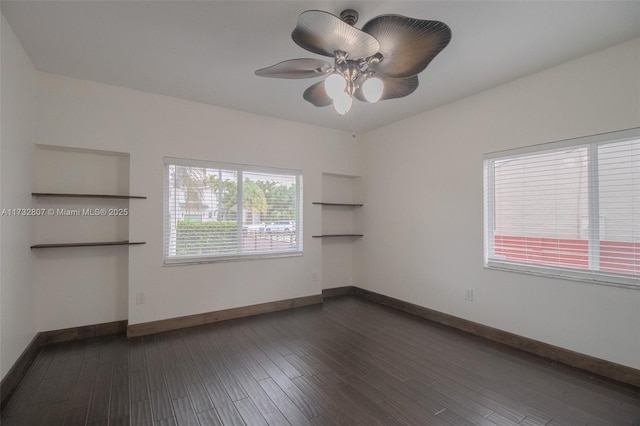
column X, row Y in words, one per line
column 559, row 272
column 297, row 251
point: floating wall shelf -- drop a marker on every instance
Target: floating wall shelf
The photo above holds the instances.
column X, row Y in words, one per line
column 86, row 244
column 337, row 235
column 321, row 203
column 92, row 244
column 337, row 204
column 61, row 195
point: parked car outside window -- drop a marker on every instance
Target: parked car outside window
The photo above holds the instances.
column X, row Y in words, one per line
column 281, row 226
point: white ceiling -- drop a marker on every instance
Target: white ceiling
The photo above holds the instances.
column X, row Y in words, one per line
column 207, row 51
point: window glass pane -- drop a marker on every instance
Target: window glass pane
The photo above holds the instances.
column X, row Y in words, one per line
column 270, row 212
column 619, row 194
column 203, row 211
column 539, row 202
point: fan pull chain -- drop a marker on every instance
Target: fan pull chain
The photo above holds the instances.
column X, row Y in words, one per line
column 353, row 126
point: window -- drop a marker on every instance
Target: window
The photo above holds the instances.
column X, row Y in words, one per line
column 569, row 209
column 220, row 211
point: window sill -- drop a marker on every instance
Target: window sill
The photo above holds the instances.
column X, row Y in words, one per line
column 185, row 261
column 610, row 280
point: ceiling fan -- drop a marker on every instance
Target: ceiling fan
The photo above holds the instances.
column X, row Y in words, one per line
column 379, row 62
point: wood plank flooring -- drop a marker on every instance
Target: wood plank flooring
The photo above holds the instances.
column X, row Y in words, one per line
column 347, row 362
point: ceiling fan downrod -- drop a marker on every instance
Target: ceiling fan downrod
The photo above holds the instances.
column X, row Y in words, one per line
column 349, row 16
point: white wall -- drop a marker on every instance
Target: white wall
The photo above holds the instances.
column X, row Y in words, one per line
column 81, row 114
column 17, row 294
column 423, row 217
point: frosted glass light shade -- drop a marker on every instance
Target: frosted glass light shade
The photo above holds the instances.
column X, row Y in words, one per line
column 372, row 89
column 342, row 103
column 335, row 85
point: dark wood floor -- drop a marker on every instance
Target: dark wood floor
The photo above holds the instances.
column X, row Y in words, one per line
column 346, row 362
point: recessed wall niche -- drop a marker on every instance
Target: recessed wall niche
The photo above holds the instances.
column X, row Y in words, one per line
column 82, row 285
column 337, row 252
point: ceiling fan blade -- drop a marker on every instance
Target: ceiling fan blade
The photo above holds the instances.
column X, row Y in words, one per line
column 296, row 68
column 323, row 33
column 393, row 88
column 317, row 95
column 407, row 44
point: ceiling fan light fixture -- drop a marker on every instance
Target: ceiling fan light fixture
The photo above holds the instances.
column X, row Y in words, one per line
column 342, row 103
column 335, row 85
column 372, row 89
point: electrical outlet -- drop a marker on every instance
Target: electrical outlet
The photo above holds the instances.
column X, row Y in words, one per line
column 140, row 298
column 468, row 294
column 314, row 276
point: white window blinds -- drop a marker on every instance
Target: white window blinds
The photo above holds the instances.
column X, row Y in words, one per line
column 221, row 211
column 570, row 209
